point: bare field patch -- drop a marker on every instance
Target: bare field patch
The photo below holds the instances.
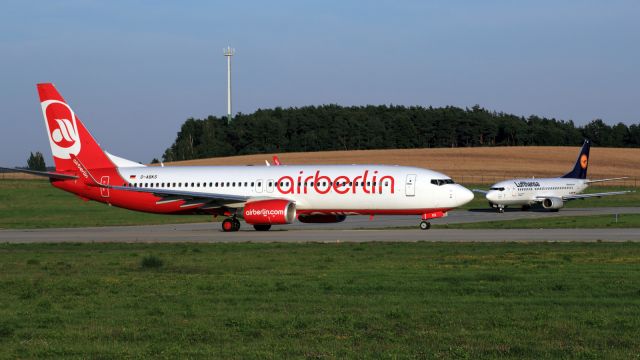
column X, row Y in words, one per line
column 470, row 163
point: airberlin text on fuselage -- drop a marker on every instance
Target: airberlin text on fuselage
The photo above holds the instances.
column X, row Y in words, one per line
column 323, row 184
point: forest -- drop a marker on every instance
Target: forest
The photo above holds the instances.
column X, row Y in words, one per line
column 334, row 127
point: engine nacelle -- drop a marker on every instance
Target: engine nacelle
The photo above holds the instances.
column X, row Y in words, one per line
column 321, row 218
column 271, row 212
column 552, row 203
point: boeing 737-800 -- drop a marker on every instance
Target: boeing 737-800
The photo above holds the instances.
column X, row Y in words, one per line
column 261, row 195
column 552, row 193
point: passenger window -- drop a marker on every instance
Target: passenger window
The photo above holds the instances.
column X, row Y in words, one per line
column 252, row 184
column 245, row 183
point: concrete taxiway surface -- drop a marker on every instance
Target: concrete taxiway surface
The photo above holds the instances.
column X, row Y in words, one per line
column 460, row 216
column 354, row 229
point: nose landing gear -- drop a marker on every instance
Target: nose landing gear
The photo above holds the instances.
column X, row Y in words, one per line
column 425, row 225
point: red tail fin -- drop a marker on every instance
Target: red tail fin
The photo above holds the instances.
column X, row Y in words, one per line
column 67, row 135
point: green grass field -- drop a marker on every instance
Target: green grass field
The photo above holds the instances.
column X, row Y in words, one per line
column 320, row 301
column 568, row 222
column 36, row 204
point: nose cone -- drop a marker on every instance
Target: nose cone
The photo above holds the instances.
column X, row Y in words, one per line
column 464, row 195
column 492, row 196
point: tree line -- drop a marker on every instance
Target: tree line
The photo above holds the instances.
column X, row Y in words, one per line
column 334, row 127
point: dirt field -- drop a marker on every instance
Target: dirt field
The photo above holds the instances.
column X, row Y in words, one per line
column 478, row 165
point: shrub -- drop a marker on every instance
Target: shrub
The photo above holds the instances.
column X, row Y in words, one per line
column 151, row 262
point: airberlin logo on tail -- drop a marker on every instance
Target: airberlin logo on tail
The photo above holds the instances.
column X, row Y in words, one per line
column 62, row 127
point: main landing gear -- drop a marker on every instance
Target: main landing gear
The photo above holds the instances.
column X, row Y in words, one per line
column 230, row 224
column 425, row 225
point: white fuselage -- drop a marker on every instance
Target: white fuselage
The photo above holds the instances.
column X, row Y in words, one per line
column 530, row 191
column 336, row 188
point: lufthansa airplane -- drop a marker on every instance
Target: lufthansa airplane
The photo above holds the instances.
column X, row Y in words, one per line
column 261, row 195
column 552, row 193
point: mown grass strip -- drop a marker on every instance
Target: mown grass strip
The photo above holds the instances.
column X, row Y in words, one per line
column 427, row 300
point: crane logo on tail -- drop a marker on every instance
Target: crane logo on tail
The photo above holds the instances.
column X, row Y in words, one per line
column 63, row 129
column 584, row 160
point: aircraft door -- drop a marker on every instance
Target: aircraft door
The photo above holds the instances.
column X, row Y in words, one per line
column 259, row 185
column 104, row 192
column 410, row 185
column 270, row 185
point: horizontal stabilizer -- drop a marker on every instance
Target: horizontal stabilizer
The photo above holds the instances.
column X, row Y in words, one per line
column 603, row 180
column 49, row 174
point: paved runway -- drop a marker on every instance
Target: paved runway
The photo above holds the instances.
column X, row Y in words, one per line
column 355, row 229
column 460, row 216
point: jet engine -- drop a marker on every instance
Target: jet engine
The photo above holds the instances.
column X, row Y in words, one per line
column 269, row 212
column 552, row 203
column 321, row 218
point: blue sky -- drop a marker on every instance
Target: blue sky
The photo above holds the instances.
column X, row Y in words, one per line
column 135, row 70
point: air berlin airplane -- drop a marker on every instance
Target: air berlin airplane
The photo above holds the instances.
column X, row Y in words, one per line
column 261, row 195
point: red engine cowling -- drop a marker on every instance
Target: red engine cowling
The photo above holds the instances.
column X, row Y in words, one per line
column 321, row 218
column 272, row 212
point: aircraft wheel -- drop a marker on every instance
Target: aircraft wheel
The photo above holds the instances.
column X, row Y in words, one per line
column 228, row 225
column 236, row 224
column 262, row 227
column 425, row 225
column 501, row 209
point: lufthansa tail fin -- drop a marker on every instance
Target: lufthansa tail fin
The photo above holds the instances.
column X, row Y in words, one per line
column 580, row 168
column 68, row 136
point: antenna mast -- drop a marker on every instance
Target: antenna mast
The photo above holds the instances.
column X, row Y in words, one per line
column 228, row 53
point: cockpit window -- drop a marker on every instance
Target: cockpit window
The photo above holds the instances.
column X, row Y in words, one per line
column 441, row 182
column 497, row 188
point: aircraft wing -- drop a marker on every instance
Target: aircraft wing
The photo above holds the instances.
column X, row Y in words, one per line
column 480, row 191
column 191, row 198
column 594, row 195
column 49, row 174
